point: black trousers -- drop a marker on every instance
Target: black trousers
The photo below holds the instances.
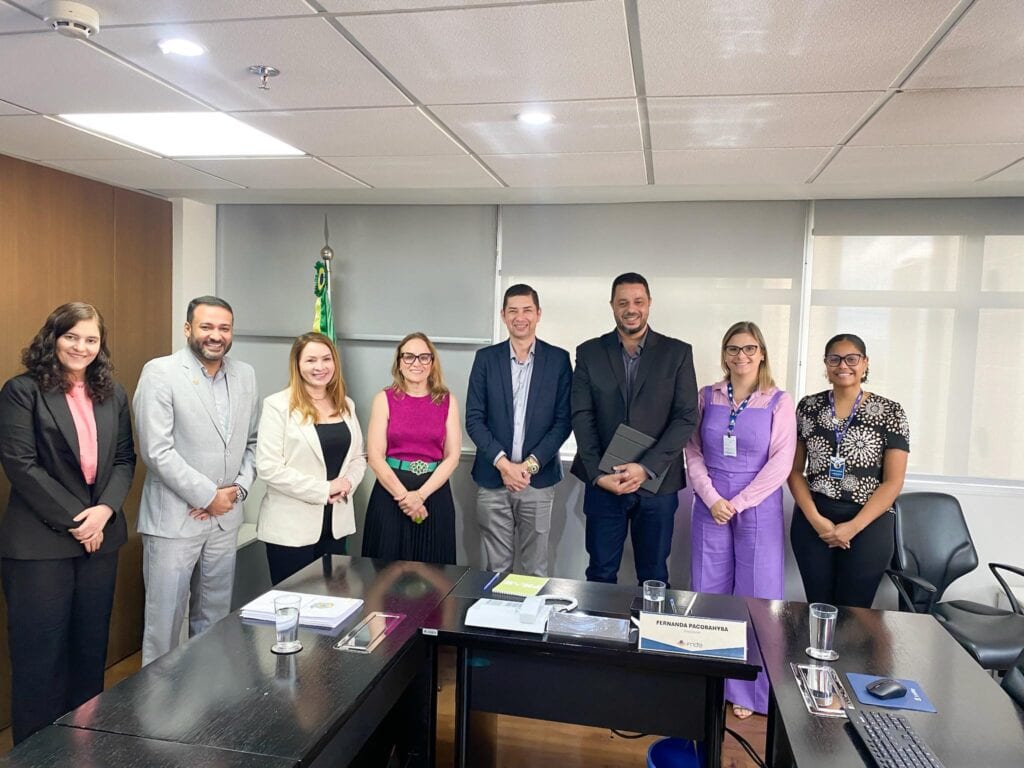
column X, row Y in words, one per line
column 285, row 561
column 842, row 576
column 58, row 622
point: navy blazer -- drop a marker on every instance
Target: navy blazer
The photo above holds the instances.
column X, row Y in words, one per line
column 39, row 452
column 663, row 404
column 489, row 419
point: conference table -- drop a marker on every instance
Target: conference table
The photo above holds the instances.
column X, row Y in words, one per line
column 977, row 724
column 226, row 690
column 585, row 682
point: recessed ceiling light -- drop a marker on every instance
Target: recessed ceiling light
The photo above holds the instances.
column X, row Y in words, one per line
column 535, row 117
column 185, row 134
column 180, row 47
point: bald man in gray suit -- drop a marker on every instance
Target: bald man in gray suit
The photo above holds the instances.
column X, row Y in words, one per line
column 196, row 412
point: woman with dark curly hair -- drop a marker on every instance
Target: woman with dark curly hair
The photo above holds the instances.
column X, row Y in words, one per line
column 68, row 452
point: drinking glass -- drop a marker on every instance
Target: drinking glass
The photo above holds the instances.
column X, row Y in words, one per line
column 286, row 620
column 823, row 630
column 654, row 596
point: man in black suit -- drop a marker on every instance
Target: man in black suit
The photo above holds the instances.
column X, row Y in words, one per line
column 638, row 377
column 517, row 413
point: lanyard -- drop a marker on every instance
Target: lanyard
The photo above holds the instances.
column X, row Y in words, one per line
column 841, row 433
column 735, row 410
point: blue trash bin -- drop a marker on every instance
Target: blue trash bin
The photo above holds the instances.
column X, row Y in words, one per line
column 675, row 753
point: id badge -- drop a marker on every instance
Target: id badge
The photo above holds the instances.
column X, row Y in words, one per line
column 728, row 445
column 837, row 467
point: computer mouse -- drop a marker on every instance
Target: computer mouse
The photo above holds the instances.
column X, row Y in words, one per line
column 886, row 689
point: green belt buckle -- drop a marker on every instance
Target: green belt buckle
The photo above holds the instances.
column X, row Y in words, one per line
column 419, row 467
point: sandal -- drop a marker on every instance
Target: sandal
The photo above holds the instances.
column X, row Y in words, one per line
column 742, row 713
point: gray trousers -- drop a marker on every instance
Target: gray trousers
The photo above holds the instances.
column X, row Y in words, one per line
column 503, row 516
column 197, row 572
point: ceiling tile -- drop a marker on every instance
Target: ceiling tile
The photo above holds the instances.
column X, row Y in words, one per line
column 319, row 68
column 950, row 163
column 709, row 47
column 415, row 172
column 504, row 54
column 959, row 116
column 579, row 126
column 983, row 49
column 58, row 75
column 144, row 173
column 12, row 109
column 13, row 20
column 37, row 138
column 601, row 169
column 356, row 6
column 1013, row 173
column 793, row 120
column 790, row 165
column 275, row 173
column 150, row 11
column 355, row 132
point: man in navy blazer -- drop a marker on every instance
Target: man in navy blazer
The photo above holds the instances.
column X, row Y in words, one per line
column 644, row 379
column 518, row 414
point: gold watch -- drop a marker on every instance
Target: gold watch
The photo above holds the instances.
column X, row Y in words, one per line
column 532, row 465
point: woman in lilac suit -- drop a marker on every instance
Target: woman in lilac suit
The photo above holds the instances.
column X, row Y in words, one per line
column 737, row 461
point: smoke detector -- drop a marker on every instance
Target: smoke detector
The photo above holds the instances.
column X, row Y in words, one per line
column 72, row 19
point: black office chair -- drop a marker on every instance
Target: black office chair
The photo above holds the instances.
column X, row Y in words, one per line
column 934, row 549
column 1013, row 681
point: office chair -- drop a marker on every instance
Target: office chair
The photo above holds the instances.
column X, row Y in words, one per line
column 1013, row 681
column 934, row 549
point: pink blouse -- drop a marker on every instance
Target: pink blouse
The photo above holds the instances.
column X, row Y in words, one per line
column 85, row 425
column 781, row 448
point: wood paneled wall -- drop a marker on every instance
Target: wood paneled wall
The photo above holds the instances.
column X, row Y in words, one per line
column 65, row 238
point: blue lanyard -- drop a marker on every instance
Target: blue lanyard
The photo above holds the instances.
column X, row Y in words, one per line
column 735, row 410
column 841, row 433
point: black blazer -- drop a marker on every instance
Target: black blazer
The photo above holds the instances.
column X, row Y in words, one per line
column 663, row 405
column 489, row 411
column 39, row 453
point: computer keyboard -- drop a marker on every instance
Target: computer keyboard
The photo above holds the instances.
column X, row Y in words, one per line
column 891, row 741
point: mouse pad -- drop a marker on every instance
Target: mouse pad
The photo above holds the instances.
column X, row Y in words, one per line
column 913, row 699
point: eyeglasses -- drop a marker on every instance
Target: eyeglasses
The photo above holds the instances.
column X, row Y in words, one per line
column 749, row 350
column 852, row 360
column 425, row 358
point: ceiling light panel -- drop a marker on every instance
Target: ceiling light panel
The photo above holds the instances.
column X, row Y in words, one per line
column 319, row 68
column 709, row 47
column 179, row 46
column 185, row 134
column 525, row 53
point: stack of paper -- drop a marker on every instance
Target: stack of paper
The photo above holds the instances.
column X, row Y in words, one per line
column 325, row 611
column 520, row 585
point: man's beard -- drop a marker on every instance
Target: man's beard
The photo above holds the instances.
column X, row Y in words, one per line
column 199, row 351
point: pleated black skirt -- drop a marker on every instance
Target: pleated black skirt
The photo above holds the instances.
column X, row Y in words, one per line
column 390, row 535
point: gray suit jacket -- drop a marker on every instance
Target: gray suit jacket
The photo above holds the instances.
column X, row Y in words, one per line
column 184, row 446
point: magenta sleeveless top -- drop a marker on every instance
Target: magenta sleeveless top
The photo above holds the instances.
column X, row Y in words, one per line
column 416, row 426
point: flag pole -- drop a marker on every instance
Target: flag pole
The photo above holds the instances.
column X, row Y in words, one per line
column 327, row 254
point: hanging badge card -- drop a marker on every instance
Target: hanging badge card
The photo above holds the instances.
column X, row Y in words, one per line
column 728, row 445
column 837, row 467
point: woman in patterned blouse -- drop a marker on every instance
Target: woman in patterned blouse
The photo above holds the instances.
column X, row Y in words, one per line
column 854, row 447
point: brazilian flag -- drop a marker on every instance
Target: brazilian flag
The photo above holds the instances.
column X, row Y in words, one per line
column 323, row 314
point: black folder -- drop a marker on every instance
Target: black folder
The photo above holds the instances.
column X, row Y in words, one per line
column 627, row 446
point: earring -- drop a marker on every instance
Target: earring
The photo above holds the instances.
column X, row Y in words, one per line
column 864, row 378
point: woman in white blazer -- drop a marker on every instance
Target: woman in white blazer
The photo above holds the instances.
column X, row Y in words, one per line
column 310, row 455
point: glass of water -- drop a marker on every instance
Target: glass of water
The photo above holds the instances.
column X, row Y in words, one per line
column 654, row 596
column 823, row 631
column 286, row 619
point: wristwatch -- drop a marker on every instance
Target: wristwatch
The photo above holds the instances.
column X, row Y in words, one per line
column 532, row 465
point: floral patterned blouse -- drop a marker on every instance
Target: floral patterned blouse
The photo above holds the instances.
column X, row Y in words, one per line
column 878, row 424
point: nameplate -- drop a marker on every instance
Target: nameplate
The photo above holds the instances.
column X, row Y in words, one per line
column 693, row 636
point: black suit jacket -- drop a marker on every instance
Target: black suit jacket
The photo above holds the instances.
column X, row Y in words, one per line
column 39, row 453
column 663, row 404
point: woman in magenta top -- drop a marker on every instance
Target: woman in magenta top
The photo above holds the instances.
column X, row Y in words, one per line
column 68, row 452
column 737, row 461
column 412, row 445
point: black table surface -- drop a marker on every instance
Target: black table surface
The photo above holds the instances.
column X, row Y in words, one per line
column 60, row 746
column 447, row 623
column 977, row 724
column 225, row 688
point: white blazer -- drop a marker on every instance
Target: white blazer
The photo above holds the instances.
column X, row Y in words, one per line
column 290, row 462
